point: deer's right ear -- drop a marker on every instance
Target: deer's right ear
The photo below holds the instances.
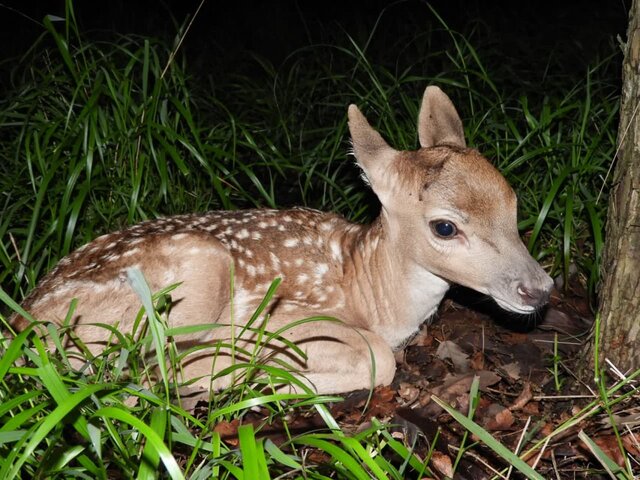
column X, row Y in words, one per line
column 439, row 122
column 373, row 154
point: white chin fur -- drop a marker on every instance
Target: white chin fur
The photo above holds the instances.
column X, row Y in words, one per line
column 523, row 309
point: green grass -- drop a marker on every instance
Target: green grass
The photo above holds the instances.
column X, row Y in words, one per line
column 106, row 418
column 98, row 134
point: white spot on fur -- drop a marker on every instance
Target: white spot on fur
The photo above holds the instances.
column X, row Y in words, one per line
column 263, row 225
column 287, row 218
column 251, row 270
column 290, row 242
column 336, row 251
column 298, row 262
column 303, row 277
column 289, row 307
column 281, row 228
column 256, row 235
column 326, row 226
column 320, row 269
column 242, row 302
column 242, row 234
column 178, row 236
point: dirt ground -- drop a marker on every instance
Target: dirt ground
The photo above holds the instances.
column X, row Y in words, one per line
column 513, row 356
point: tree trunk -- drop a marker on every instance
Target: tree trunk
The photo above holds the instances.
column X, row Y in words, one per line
column 620, row 294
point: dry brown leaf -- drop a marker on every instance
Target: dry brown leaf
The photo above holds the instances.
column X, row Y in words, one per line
column 442, row 463
column 525, row 397
column 477, row 361
column 547, row 429
column 455, row 390
column 408, row 392
column 496, row 417
column 515, row 338
column 448, row 350
column 630, row 442
column 609, row 445
column 228, row 431
column 512, row 370
column 384, row 394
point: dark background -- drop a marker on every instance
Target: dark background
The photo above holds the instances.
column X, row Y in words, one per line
column 574, row 33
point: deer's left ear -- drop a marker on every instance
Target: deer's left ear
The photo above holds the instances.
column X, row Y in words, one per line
column 439, row 122
column 373, row 154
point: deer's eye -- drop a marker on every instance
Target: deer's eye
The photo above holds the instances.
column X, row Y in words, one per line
column 443, row 228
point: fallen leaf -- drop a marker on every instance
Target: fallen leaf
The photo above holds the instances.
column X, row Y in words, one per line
column 531, row 408
column 408, row 392
column 525, row 396
column 477, row 361
column 448, row 350
column 512, row 370
column 228, row 431
column 442, row 463
column 609, row 445
column 631, row 443
column 496, row 417
column 455, row 390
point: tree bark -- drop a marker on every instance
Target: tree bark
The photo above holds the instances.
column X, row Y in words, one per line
column 620, row 293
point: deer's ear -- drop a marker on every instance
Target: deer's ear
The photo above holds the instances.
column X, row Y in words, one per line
column 373, row 154
column 439, row 123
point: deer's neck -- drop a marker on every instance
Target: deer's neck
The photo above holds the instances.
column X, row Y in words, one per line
column 396, row 296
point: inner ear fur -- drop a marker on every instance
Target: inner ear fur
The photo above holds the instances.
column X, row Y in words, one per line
column 372, row 153
column 439, row 122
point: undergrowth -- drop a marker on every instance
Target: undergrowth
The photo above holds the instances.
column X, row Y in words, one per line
column 99, row 134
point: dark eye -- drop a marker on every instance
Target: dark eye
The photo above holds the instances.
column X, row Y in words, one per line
column 443, row 228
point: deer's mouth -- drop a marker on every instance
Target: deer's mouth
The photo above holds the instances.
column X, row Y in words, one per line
column 515, row 308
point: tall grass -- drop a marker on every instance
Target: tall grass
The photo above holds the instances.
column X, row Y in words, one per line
column 98, row 134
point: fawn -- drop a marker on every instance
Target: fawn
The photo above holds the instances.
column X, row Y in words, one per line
column 448, row 216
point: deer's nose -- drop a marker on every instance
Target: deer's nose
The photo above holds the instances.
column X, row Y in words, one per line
column 534, row 297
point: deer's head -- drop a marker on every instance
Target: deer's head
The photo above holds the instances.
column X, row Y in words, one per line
column 448, row 210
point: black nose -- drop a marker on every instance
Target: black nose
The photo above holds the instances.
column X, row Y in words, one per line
column 534, row 297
